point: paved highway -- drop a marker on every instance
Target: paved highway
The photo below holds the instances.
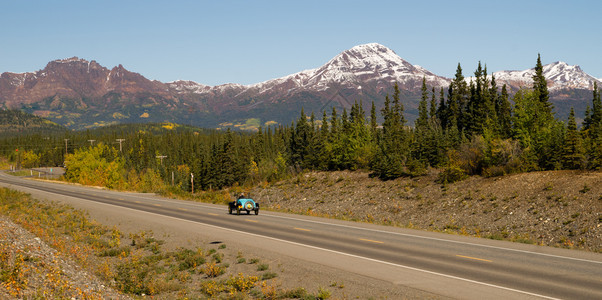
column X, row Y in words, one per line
column 448, row 265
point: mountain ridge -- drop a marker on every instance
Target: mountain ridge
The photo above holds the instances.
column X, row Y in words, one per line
column 81, row 94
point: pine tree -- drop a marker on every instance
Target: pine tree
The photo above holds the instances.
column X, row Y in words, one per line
column 573, row 157
column 442, row 110
column 301, row 135
column 479, row 105
column 394, row 151
column 458, row 95
column 433, row 105
column 422, row 122
column 373, row 124
column 592, row 126
column 504, row 114
column 540, row 86
column 596, row 114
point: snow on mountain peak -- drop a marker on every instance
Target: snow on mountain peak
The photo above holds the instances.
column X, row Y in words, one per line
column 559, row 75
column 371, row 62
column 71, row 59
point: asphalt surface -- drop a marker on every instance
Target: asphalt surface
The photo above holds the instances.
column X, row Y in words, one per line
column 451, row 266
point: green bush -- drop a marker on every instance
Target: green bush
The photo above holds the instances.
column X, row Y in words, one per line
column 451, row 174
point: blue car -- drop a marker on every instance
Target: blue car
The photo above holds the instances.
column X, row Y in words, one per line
column 243, row 204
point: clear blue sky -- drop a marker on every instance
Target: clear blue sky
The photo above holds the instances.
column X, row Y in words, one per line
column 216, row 42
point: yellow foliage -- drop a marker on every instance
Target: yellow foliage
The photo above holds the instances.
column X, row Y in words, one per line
column 29, row 159
column 168, row 126
column 119, row 116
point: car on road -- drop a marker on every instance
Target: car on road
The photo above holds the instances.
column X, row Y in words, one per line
column 243, row 204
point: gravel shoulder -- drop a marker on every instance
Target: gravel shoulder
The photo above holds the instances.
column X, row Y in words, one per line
column 291, row 274
column 561, row 209
column 554, row 208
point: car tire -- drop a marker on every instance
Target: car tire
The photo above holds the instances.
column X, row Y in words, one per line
column 256, row 211
column 230, row 210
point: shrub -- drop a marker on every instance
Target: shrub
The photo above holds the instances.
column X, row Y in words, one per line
column 213, row 270
column 263, row 267
column 268, row 275
column 451, row 174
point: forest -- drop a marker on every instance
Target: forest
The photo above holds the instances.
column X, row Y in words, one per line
column 474, row 128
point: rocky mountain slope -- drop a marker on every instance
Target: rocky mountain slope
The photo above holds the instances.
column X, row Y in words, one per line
column 80, row 94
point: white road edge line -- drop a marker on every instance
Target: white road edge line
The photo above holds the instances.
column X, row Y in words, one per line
column 199, row 204
column 438, row 239
column 346, row 254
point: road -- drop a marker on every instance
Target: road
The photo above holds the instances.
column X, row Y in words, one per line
column 447, row 265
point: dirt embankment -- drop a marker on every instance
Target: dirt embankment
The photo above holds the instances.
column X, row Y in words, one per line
column 559, row 208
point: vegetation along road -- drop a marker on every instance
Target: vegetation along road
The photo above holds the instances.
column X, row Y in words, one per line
column 447, row 265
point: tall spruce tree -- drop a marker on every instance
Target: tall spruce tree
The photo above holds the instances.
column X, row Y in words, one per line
column 442, row 110
column 421, row 122
column 394, row 150
column 373, row 123
column 504, row 114
column 573, row 157
column 433, row 105
column 540, row 86
column 458, row 94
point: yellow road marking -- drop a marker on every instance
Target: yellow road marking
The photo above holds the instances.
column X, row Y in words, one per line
column 184, row 209
column 121, row 199
column 137, row 201
column 473, row 258
column 303, row 229
column 157, row 204
column 250, row 220
column 372, row 241
column 212, row 214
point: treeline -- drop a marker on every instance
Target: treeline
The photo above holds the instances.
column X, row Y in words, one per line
column 473, row 128
column 16, row 122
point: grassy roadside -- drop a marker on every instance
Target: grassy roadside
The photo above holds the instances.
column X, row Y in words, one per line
column 135, row 264
column 549, row 208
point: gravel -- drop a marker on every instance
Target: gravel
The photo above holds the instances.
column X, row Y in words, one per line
column 49, row 274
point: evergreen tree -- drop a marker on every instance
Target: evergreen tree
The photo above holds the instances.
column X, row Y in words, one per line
column 433, row 106
column 334, row 123
column 540, row 86
column 596, row 114
column 393, row 153
column 479, row 109
column 422, row 122
column 301, row 136
column 458, row 95
column 442, row 110
column 592, row 127
column 373, row 123
column 573, row 150
column 504, row 114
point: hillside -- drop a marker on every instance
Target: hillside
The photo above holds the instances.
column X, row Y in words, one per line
column 15, row 122
column 556, row 208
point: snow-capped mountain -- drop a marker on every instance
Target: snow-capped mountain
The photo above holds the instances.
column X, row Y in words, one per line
column 81, row 93
column 560, row 76
column 369, row 64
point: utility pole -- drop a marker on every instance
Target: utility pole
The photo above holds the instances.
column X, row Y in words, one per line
column 161, row 157
column 192, row 182
column 66, row 146
column 91, row 142
column 120, row 141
